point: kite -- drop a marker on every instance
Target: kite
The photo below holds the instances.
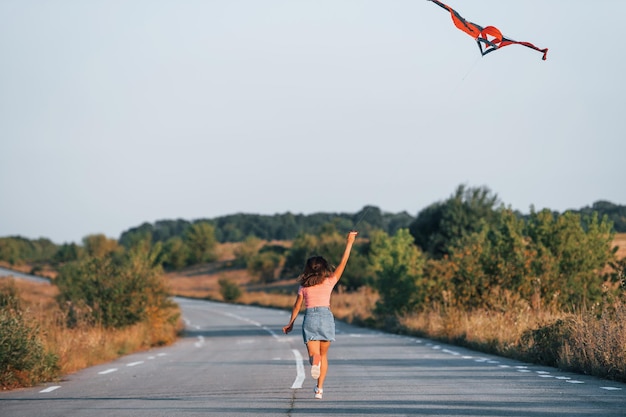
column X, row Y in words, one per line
column 488, row 38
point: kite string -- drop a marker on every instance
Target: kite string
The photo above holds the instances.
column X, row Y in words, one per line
column 454, row 90
column 471, row 68
column 361, row 217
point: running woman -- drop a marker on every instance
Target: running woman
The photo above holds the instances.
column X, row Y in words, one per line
column 318, row 327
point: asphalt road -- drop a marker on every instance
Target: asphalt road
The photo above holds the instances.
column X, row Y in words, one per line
column 6, row 273
column 234, row 361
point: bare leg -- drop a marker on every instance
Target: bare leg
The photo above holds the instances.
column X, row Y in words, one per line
column 324, row 345
column 315, row 359
column 313, row 346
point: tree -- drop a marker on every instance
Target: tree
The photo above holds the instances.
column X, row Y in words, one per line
column 330, row 244
column 200, row 241
column 437, row 226
column 247, row 250
column 615, row 213
column 114, row 290
column 9, row 251
column 139, row 233
column 550, row 260
column 17, row 250
column 264, row 265
column 399, row 269
column 570, row 257
column 302, row 248
column 68, row 252
column 175, row 253
column 99, row 245
column 498, row 257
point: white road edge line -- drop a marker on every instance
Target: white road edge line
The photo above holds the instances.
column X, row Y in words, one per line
column 134, row 363
column 50, row 389
column 108, row 371
column 297, row 383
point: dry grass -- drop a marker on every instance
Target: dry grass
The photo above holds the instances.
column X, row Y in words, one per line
column 486, row 330
column 597, row 345
column 620, row 242
column 202, row 281
column 354, row 307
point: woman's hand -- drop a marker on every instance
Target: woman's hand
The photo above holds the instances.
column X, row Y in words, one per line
column 288, row 328
column 352, row 236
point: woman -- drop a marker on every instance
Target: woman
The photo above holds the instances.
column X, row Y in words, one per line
column 318, row 327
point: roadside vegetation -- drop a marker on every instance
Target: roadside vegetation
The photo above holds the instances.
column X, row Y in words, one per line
column 109, row 303
column 545, row 287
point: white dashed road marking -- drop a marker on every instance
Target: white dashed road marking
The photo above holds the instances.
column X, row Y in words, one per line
column 106, row 371
column 518, row 368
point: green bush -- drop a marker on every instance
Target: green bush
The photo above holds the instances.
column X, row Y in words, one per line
column 229, row 290
column 264, row 266
column 115, row 290
column 399, row 269
column 23, row 358
column 550, row 261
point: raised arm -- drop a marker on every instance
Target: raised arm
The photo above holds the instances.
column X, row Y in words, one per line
column 346, row 254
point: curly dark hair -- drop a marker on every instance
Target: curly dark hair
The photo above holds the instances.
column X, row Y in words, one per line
column 316, row 270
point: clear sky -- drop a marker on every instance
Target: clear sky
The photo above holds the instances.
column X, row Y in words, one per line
column 113, row 113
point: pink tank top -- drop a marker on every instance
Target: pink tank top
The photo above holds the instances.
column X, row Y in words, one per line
column 318, row 295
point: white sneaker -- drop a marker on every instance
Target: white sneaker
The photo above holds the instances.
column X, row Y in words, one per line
column 318, row 393
column 315, row 371
column 316, row 368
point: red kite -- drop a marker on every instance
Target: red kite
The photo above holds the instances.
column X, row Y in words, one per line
column 488, row 38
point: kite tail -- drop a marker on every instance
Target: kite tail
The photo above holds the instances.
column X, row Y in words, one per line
column 438, row 3
column 531, row 46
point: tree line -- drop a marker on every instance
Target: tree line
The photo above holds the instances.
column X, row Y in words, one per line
column 286, row 226
column 184, row 242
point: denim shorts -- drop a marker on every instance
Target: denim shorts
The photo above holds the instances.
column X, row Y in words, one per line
column 318, row 324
